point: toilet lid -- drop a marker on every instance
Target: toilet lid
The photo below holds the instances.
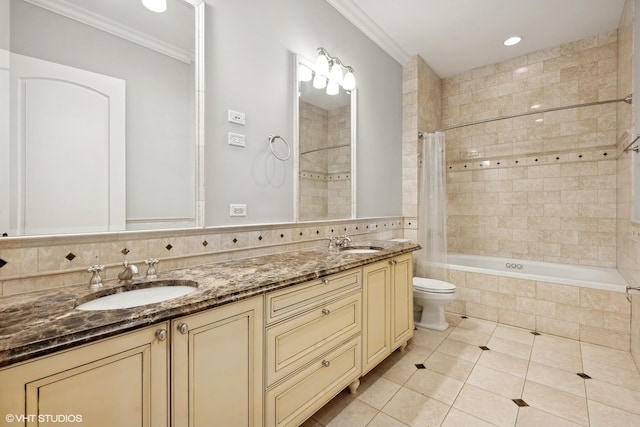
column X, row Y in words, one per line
column 432, row 285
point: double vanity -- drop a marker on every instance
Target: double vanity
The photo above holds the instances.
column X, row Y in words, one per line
column 258, row 341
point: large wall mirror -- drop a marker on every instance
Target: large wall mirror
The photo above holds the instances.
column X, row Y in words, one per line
column 325, row 148
column 98, row 116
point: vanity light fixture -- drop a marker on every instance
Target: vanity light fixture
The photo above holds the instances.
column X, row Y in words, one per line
column 319, row 81
column 304, row 73
column 512, row 41
column 332, row 67
column 333, row 88
column 157, row 6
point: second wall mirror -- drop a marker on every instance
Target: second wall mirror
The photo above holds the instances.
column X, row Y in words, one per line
column 325, row 135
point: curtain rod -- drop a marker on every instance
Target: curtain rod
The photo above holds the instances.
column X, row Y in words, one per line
column 627, row 99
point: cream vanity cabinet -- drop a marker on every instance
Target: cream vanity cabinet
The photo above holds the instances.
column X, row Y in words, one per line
column 387, row 297
column 313, row 345
column 215, row 375
column 120, row 381
column 216, row 366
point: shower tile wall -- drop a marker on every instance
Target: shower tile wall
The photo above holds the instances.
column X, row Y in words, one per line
column 421, row 112
column 541, row 186
column 628, row 230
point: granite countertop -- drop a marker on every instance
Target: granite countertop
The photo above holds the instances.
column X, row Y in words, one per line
column 40, row 323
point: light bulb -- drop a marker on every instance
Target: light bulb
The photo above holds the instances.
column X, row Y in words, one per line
column 322, row 64
column 319, row 81
column 304, row 73
column 336, row 73
column 333, row 88
column 349, row 81
column 158, row 6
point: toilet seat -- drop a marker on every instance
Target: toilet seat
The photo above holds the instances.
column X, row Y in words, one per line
column 432, row 286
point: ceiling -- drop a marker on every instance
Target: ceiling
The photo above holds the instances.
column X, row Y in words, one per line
column 453, row 36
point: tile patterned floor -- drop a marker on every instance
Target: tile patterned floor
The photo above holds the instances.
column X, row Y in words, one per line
column 516, row 379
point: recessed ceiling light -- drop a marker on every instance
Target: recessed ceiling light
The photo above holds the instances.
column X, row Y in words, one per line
column 522, row 70
column 512, row 41
column 535, row 106
column 157, row 6
column 539, row 120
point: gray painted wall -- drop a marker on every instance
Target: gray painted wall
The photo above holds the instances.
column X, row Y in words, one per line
column 249, row 68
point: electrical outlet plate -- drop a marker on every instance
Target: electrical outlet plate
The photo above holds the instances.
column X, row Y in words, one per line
column 236, row 209
column 237, row 139
column 237, row 117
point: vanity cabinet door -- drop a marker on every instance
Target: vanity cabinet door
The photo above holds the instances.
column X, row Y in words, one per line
column 376, row 314
column 216, row 362
column 387, row 309
column 401, row 300
column 120, row 381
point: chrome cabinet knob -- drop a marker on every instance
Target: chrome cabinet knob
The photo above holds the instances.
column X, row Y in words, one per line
column 183, row 328
column 325, row 281
column 326, row 311
column 326, row 363
column 161, row 334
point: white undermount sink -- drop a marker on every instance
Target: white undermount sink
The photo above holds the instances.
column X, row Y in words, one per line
column 138, row 297
column 360, row 250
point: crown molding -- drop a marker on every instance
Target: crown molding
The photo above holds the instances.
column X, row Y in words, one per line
column 64, row 8
column 364, row 23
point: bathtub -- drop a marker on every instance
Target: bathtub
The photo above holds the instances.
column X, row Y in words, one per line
column 608, row 279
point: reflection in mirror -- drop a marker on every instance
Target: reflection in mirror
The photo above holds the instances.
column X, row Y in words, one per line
column 326, row 149
column 101, row 111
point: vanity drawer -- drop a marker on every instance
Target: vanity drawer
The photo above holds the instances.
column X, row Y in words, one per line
column 296, row 299
column 296, row 342
column 294, row 400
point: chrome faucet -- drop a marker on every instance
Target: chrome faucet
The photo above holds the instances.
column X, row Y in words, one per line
column 343, row 241
column 128, row 272
column 96, row 280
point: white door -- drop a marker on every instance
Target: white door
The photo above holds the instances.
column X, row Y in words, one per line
column 68, row 149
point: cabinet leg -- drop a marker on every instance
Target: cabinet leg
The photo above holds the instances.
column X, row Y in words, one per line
column 403, row 346
column 353, row 387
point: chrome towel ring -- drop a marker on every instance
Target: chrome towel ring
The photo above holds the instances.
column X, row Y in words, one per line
column 272, row 138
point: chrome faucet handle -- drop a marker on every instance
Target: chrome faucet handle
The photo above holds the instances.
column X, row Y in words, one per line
column 96, row 281
column 343, row 241
column 151, row 269
column 333, row 242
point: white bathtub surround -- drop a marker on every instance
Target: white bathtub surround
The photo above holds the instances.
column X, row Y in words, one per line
column 588, row 304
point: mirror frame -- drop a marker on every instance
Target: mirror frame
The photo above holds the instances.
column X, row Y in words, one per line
column 298, row 59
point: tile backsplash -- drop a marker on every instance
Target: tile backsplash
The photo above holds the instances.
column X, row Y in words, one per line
column 37, row 263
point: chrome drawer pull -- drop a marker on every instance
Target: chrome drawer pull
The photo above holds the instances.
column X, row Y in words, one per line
column 183, row 328
column 326, row 363
column 325, row 281
column 326, row 311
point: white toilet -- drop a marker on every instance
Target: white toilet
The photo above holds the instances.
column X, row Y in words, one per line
column 429, row 299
